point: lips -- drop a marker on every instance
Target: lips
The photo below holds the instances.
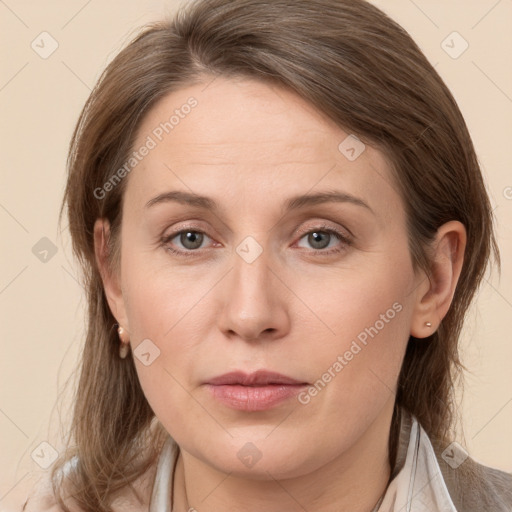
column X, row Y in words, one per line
column 257, row 391
column 258, row 378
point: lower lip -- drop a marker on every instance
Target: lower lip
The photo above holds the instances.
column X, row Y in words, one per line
column 254, row 398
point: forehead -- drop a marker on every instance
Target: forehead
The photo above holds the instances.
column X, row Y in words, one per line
column 232, row 137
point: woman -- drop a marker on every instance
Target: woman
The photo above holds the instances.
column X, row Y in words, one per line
column 282, row 223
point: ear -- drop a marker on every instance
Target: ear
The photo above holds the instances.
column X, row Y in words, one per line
column 434, row 296
column 109, row 276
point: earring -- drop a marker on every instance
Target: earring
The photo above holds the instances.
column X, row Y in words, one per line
column 428, row 324
column 125, row 344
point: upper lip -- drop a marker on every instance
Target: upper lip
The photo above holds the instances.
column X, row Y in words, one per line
column 258, row 378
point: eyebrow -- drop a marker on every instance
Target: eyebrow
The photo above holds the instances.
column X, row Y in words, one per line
column 292, row 203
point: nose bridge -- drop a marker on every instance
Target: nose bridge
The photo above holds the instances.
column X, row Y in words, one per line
column 251, row 276
column 252, row 304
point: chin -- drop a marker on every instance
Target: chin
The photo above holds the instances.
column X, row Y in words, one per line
column 262, row 459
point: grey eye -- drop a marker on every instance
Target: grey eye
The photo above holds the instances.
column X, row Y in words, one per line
column 191, row 239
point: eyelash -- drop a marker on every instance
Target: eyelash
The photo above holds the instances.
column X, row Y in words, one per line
column 323, row 229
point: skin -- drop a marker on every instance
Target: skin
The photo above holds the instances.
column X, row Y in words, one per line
column 251, row 146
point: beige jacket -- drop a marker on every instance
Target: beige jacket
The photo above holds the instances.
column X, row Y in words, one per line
column 426, row 478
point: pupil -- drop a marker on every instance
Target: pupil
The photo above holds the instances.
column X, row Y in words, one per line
column 317, row 239
column 192, row 238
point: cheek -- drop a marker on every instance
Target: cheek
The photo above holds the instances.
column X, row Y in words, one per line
column 363, row 303
column 158, row 296
column 164, row 306
column 365, row 328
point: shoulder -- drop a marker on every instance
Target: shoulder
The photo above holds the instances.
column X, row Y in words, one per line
column 474, row 486
column 34, row 496
column 41, row 497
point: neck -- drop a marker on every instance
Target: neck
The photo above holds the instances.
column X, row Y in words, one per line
column 353, row 481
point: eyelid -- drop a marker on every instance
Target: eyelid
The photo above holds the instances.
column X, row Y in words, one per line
column 165, row 238
column 322, row 226
column 186, row 225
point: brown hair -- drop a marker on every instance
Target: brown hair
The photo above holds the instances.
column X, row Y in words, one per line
column 359, row 68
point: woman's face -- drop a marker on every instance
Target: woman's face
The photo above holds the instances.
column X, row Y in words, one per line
column 262, row 281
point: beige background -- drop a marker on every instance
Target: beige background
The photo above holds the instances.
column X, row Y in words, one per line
column 41, row 304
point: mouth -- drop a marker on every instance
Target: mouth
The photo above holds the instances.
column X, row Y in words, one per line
column 258, row 391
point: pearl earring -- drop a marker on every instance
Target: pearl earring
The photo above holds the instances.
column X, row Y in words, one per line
column 125, row 345
column 428, row 324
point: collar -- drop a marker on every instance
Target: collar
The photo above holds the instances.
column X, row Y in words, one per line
column 418, row 484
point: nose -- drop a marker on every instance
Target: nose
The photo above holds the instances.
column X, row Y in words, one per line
column 254, row 301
